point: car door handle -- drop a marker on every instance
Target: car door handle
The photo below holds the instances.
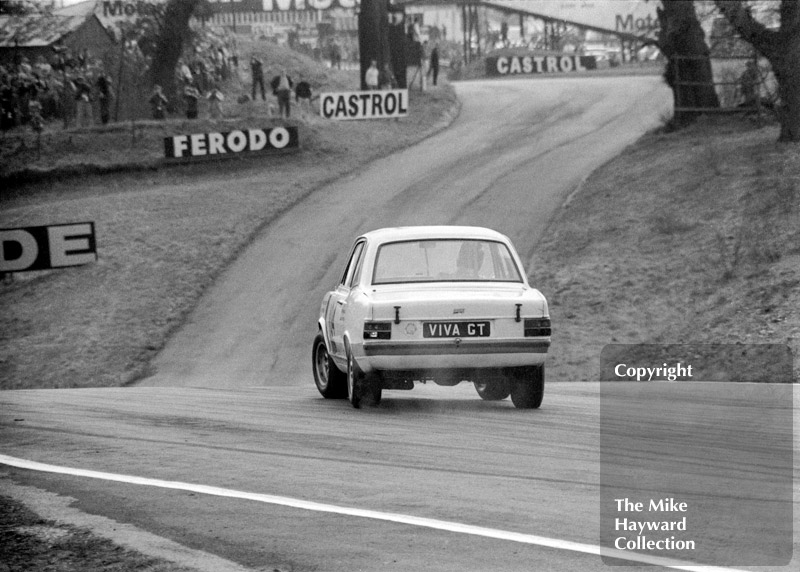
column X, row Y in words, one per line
column 340, row 302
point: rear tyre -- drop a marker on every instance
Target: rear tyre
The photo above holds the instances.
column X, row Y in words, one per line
column 361, row 389
column 493, row 390
column 355, row 381
column 527, row 390
column 330, row 382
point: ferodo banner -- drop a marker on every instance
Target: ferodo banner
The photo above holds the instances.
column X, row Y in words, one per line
column 44, row 247
column 230, row 143
column 364, row 104
column 516, row 65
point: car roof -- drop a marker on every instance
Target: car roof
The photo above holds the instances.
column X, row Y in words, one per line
column 399, row 233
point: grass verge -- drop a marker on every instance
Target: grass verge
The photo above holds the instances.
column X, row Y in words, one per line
column 163, row 236
column 687, row 237
column 29, row 542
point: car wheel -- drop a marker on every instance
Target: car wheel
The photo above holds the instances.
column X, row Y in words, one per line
column 492, row 390
column 331, row 382
column 527, row 390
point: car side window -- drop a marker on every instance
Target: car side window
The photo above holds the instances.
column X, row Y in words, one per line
column 351, row 264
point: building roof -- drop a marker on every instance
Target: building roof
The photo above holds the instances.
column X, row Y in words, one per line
column 84, row 9
column 43, row 30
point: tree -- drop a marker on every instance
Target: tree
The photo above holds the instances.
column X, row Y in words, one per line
column 781, row 48
column 688, row 73
column 173, row 36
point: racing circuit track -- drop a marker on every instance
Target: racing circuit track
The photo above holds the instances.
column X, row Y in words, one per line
column 229, row 451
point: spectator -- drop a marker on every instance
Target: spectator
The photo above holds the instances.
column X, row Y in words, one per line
column 35, row 110
column 371, row 75
column 191, row 96
column 434, row 69
column 336, row 55
column 200, row 74
column 282, row 88
column 104, row 94
column 83, row 102
column 186, row 72
column 158, row 103
column 387, row 79
column 257, row 72
column 215, row 98
column 303, row 92
column 222, row 58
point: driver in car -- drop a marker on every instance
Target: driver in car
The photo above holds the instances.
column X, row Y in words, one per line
column 469, row 262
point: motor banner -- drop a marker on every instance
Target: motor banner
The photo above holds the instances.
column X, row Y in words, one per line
column 230, row 143
column 364, row 104
column 532, row 64
column 46, row 247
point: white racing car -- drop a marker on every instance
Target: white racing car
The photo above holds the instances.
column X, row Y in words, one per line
column 432, row 303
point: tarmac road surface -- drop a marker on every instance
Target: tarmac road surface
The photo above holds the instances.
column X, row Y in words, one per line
column 513, row 156
column 517, row 490
column 229, row 451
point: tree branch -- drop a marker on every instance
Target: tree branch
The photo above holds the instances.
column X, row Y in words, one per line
column 766, row 41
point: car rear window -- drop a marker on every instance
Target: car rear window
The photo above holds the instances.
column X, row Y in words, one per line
column 448, row 260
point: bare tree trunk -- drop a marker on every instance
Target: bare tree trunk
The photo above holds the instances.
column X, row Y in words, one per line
column 172, row 38
column 787, row 72
column 781, row 48
column 688, row 72
column 373, row 37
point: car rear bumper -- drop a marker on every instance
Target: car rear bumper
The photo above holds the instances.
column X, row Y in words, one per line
column 392, row 355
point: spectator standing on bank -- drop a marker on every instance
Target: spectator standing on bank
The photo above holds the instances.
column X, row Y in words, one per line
column 186, row 72
column 104, row 94
column 257, row 72
column 158, row 103
column 215, row 98
column 282, row 88
column 371, row 75
column 387, row 79
column 35, row 112
column 302, row 93
column 83, row 102
column 335, row 54
column 191, row 96
column 434, row 69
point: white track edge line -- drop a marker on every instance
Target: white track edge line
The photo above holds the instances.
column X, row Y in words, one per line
column 372, row 514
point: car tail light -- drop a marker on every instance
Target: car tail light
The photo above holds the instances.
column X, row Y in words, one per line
column 537, row 327
column 377, row 330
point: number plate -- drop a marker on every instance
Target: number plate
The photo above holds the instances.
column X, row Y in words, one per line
column 456, row 330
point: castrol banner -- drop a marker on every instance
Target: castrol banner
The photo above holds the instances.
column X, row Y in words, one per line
column 364, row 104
column 532, row 64
column 236, row 142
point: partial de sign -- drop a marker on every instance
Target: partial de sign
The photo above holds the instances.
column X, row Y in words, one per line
column 45, row 247
column 517, row 65
column 231, row 143
column 364, row 104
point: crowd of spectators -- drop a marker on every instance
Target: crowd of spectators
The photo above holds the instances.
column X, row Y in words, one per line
column 76, row 90
column 63, row 88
